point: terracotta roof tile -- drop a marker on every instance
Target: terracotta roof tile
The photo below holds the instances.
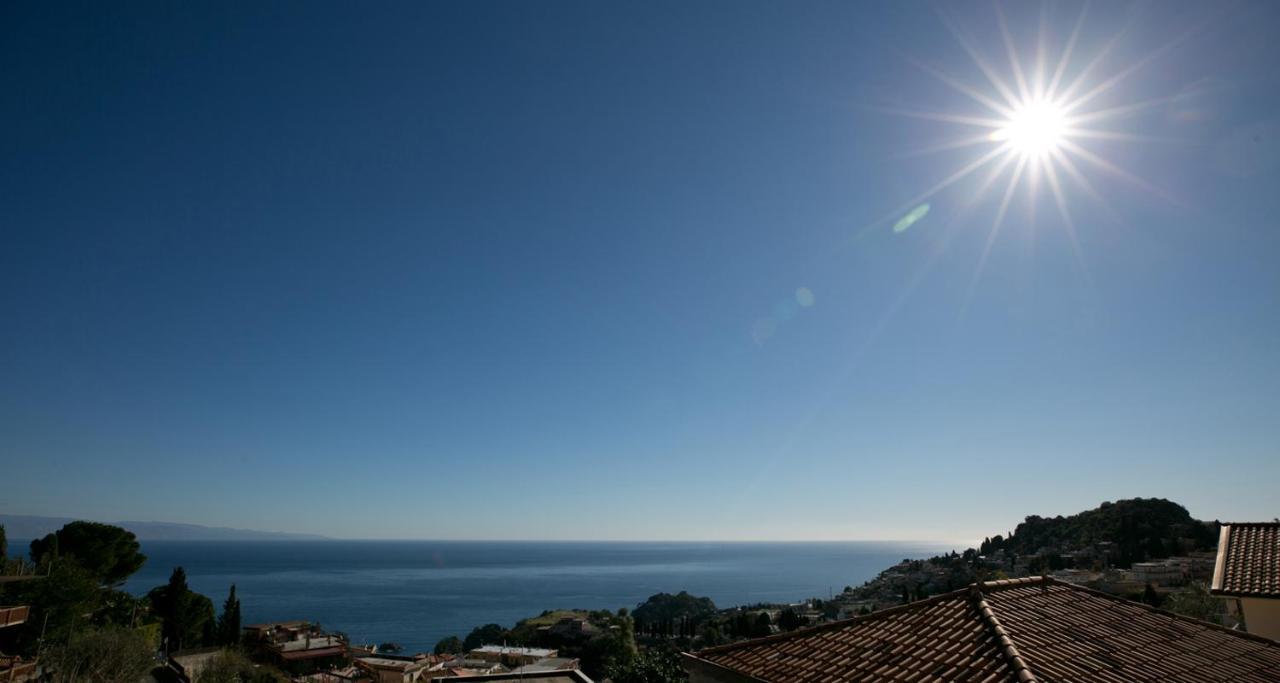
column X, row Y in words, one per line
column 1024, row 630
column 1248, row 560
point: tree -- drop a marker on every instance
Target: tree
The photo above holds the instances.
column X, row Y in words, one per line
column 4, row 546
column 186, row 616
column 615, row 647
column 762, row 626
column 1196, row 602
column 60, row 603
column 659, row 665
column 112, row 654
column 389, row 648
column 108, row 552
column 664, row 606
column 483, row 635
column 448, row 646
column 789, row 620
column 1150, row 596
column 229, row 622
column 712, row 636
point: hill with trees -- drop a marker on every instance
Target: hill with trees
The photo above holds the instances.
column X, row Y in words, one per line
column 1141, row 528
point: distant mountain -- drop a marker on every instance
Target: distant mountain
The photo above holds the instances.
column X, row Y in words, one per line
column 32, row 526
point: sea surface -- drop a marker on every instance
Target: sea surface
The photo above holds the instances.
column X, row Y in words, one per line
column 417, row 592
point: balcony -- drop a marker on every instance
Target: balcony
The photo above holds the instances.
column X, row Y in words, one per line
column 13, row 669
column 12, row 616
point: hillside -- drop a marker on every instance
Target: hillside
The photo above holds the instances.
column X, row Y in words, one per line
column 1141, row 528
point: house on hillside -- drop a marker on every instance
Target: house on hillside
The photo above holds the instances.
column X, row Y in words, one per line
column 385, row 668
column 297, row 647
column 1248, row 570
column 570, row 676
column 510, row 655
column 1032, row 630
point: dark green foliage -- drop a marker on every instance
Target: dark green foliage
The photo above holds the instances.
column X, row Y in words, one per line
column 61, row 602
column 229, row 622
column 712, row 636
column 614, row 647
column 232, row 667
column 665, row 607
column 789, row 620
column 108, row 552
column 762, row 626
column 659, row 665
column 1151, row 597
column 4, row 545
column 112, row 654
column 186, row 616
column 1196, row 602
column 448, row 646
column 1141, row 528
column 484, row 635
column 122, row 609
column 389, row 648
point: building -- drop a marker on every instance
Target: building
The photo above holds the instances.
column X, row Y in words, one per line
column 346, row 674
column 296, row 646
column 510, row 655
column 573, row 676
column 549, row 664
column 571, row 629
column 1032, row 630
column 1248, row 570
column 1159, row 573
column 395, row 669
column 1077, row 576
column 189, row 664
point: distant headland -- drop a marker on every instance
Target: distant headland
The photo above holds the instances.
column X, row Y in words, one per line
column 35, row 526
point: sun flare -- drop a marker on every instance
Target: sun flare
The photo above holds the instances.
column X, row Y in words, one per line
column 1042, row 125
column 1034, row 130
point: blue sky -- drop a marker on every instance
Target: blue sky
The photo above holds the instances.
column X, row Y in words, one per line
column 590, row 271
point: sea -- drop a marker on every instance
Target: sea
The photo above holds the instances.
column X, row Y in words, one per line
column 416, row 592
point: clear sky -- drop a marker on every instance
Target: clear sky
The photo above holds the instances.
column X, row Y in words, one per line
column 590, row 270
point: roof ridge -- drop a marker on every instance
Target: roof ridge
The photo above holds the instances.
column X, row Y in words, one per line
column 998, row 584
column 1007, row 646
column 838, row 624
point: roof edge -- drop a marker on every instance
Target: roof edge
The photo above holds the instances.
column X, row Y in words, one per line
column 833, row 625
column 724, row 671
column 1220, row 562
column 1171, row 615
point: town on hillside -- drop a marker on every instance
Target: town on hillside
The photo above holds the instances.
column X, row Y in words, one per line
column 1141, row 565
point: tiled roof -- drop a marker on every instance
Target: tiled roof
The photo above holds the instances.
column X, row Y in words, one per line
column 1248, row 560
column 1027, row 630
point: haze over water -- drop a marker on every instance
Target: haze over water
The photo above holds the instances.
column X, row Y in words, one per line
column 417, row 592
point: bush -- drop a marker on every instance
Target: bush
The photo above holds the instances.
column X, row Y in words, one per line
column 111, row 654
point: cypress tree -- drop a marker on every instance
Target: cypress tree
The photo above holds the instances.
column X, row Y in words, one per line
column 229, row 623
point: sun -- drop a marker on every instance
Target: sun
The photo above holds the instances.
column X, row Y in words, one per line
column 1039, row 124
column 1034, row 129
